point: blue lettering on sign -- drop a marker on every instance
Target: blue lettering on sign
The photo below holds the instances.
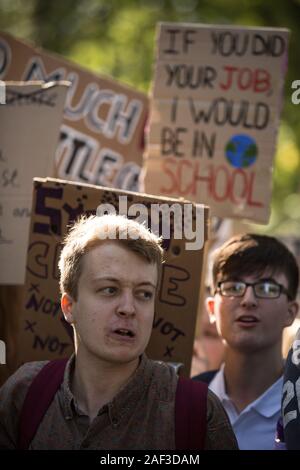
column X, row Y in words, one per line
column 54, row 224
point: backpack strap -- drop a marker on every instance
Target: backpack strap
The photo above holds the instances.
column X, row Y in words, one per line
column 38, row 399
column 206, row 376
column 190, row 414
column 190, row 407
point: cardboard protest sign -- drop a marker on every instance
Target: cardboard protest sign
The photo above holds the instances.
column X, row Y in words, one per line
column 293, row 244
column 101, row 139
column 214, row 116
column 43, row 332
column 29, row 132
column 207, row 347
column 11, row 302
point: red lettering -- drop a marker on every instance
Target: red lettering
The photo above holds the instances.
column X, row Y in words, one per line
column 218, row 184
column 222, row 183
column 230, row 70
column 262, row 81
column 257, row 80
column 182, row 176
column 207, row 179
column 243, row 185
column 168, row 171
column 244, row 84
column 250, row 202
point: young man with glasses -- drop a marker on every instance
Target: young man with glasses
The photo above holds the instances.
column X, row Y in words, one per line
column 255, row 281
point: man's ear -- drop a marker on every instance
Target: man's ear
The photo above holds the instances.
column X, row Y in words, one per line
column 293, row 308
column 67, row 304
column 210, row 307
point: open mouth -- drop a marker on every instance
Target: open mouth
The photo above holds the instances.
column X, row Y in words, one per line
column 247, row 319
column 124, row 332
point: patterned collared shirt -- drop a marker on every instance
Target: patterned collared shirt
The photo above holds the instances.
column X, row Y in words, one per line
column 140, row 416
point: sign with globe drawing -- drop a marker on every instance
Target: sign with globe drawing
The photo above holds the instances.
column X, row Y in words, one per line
column 214, row 116
column 241, row 151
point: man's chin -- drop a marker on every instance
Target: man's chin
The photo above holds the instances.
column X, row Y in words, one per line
column 248, row 347
column 123, row 357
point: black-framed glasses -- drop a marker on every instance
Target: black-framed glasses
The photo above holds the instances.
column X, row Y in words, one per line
column 262, row 289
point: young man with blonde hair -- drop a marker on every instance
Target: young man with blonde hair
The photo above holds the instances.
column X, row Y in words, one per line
column 111, row 396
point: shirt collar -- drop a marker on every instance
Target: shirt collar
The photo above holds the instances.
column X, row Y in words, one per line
column 269, row 403
column 123, row 404
column 68, row 397
column 126, row 399
column 217, row 385
column 266, row 404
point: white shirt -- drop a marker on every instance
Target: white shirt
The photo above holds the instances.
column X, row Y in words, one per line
column 255, row 426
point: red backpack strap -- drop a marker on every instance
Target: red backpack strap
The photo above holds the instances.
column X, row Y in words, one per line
column 38, row 399
column 190, row 414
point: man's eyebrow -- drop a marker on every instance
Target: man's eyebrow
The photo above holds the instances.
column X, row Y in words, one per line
column 104, row 278
column 231, row 278
column 117, row 280
column 146, row 283
column 236, row 278
column 267, row 279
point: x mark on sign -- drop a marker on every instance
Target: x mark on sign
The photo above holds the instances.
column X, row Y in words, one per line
column 168, row 352
column 34, row 288
column 30, row 325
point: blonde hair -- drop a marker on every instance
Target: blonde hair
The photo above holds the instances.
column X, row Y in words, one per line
column 91, row 231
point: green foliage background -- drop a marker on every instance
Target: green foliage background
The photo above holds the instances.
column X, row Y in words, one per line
column 117, row 38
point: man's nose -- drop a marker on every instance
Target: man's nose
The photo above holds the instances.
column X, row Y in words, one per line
column 126, row 306
column 249, row 299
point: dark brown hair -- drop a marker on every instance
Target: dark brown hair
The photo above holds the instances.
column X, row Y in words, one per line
column 249, row 254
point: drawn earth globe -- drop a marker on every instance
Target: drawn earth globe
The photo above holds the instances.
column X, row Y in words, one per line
column 241, row 151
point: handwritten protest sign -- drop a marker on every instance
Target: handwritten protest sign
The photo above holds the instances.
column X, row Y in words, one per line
column 29, row 132
column 293, row 244
column 214, row 116
column 101, row 139
column 43, row 333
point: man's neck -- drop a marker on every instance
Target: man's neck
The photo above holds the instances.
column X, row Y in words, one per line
column 248, row 376
column 95, row 382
